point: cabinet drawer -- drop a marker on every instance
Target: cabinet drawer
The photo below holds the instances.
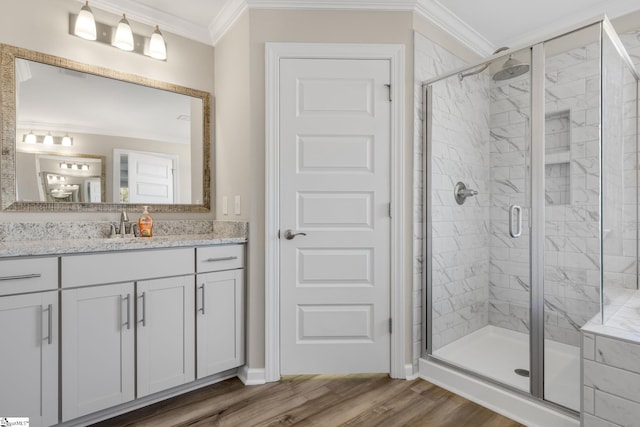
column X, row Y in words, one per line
column 218, row 258
column 28, row 275
column 115, row 267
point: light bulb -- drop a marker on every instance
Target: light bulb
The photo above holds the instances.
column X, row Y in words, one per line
column 85, row 23
column 66, row 141
column 30, row 138
column 124, row 37
column 157, row 47
column 48, row 139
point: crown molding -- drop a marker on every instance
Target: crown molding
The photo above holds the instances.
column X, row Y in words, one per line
column 443, row 18
column 431, row 10
column 224, row 20
column 146, row 15
column 612, row 10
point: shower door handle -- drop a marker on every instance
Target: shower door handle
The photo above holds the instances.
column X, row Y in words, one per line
column 515, row 221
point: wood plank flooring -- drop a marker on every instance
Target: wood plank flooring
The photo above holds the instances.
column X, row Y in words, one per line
column 316, row 400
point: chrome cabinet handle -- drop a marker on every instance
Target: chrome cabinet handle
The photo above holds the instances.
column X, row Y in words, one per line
column 290, row 235
column 515, row 221
column 128, row 322
column 50, row 323
column 20, row 277
column 224, row 258
column 202, row 296
column 144, row 309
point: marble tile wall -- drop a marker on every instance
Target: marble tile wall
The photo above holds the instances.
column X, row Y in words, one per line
column 572, row 229
column 460, row 152
column 431, row 60
column 510, row 135
column 611, row 381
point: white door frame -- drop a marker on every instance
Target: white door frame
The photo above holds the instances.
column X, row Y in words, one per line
column 274, row 53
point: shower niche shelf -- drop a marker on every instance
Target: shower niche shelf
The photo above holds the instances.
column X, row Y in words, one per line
column 557, row 158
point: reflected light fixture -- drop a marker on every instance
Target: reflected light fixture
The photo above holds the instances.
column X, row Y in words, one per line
column 85, row 23
column 66, row 141
column 123, row 38
column 30, row 138
column 48, row 139
column 157, row 47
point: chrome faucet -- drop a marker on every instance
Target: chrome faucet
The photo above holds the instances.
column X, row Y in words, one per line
column 124, row 219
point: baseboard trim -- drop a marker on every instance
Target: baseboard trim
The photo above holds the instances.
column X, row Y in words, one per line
column 105, row 414
column 251, row 376
column 505, row 402
column 409, row 375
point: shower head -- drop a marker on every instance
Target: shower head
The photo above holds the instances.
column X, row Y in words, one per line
column 510, row 69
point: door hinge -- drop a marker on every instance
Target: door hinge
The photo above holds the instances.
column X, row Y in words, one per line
column 389, row 210
column 390, row 325
column 389, row 87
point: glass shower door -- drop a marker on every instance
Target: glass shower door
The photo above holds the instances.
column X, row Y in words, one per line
column 478, row 197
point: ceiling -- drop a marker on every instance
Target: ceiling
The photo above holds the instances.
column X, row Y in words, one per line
column 482, row 25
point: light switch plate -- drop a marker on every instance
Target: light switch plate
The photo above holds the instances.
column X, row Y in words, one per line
column 237, row 205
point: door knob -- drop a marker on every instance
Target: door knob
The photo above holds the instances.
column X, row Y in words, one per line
column 290, row 235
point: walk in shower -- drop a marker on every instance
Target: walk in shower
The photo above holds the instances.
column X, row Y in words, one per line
column 531, row 161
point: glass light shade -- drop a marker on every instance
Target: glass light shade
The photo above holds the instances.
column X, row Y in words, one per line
column 48, row 139
column 85, row 23
column 66, row 141
column 85, row 167
column 30, row 138
column 157, row 47
column 64, row 166
column 74, row 167
column 124, row 37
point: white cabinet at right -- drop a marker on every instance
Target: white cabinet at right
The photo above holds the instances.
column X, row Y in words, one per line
column 219, row 309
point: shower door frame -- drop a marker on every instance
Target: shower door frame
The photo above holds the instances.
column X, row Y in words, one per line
column 537, row 210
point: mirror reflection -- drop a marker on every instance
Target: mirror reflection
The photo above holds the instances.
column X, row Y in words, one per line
column 103, row 116
column 118, row 141
column 46, row 177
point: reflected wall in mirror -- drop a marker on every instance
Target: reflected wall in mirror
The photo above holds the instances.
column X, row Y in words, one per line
column 149, row 136
column 52, row 178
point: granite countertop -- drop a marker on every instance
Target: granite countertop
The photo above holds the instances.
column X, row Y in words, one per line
column 34, row 239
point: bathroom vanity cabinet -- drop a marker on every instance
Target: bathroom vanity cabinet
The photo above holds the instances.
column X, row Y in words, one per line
column 29, row 338
column 132, row 324
column 220, row 296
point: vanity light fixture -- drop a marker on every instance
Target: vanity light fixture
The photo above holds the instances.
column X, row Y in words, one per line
column 157, row 47
column 74, row 166
column 48, row 139
column 85, row 26
column 124, row 36
column 120, row 36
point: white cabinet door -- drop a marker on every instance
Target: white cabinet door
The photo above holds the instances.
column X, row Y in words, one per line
column 220, row 321
column 29, row 367
column 166, row 333
column 97, row 348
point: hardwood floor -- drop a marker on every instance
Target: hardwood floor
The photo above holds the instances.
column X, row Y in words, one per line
column 317, row 400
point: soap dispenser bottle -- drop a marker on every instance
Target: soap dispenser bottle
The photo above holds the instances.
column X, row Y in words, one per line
column 145, row 223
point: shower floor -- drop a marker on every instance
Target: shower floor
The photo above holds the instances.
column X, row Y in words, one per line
column 497, row 352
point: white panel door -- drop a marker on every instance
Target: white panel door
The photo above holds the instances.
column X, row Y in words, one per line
column 97, row 348
column 150, row 178
column 334, row 187
column 29, row 368
column 220, row 321
column 166, row 333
